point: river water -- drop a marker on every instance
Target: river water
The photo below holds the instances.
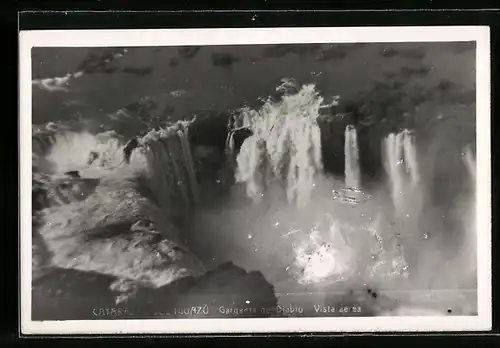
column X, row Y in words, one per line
column 305, row 229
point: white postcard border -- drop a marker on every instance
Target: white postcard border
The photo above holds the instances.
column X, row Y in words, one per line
column 254, row 36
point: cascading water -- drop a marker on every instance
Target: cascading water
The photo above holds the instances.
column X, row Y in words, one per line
column 400, row 163
column 352, row 170
column 325, row 241
column 410, row 158
column 42, row 142
column 229, row 149
column 240, row 119
column 285, row 146
column 117, row 214
column 283, row 153
column 171, row 172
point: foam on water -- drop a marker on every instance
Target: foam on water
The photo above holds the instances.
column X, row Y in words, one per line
column 284, row 146
column 170, row 169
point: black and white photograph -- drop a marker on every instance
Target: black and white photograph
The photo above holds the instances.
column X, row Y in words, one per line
column 255, row 180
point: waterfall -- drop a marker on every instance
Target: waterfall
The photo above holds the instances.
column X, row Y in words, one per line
column 171, row 175
column 163, row 157
column 55, row 153
column 285, row 146
column 352, row 171
column 239, row 119
column 410, row 157
column 400, row 163
column 230, row 145
column 229, row 151
column 113, row 214
column 392, row 152
column 42, row 142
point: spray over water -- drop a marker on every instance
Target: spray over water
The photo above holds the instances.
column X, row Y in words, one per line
column 328, row 240
column 284, row 147
column 119, row 220
column 331, row 239
column 400, row 163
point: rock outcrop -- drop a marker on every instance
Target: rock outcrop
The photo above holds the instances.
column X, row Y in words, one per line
column 227, row 291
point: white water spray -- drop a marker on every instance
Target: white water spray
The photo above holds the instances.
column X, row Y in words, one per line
column 352, row 170
column 400, row 163
column 142, row 245
column 162, row 157
column 170, row 169
column 239, row 119
column 285, row 147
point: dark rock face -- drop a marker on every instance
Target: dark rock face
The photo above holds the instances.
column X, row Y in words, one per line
column 227, row 291
column 209, row 129
column 73, row 173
